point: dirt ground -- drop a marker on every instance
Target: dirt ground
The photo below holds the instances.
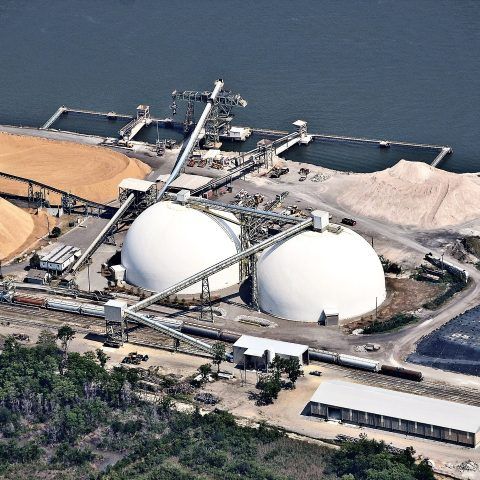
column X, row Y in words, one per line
column 88, row 171
column 403, row 295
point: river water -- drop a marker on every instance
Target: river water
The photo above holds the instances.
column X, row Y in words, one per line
column 403, row 70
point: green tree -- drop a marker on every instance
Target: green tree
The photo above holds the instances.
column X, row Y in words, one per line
column 293, row 369
column 65, row 334
column 219, row 354
column 269, row 386
column 35, row 261
column 56, row 232
column 102, row 357
column 46, row 338
column 277, row 365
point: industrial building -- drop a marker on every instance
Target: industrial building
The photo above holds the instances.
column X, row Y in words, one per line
column 257, row 352
column 59, row 258
column 397, row 412
column 169, row 242
column 333, row 275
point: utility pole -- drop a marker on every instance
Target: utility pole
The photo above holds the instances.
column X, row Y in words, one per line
column 88, row 274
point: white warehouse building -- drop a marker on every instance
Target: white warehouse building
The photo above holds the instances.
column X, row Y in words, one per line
column 257, row 352
column 328, row 272
column 398, row 412
column 169, row 242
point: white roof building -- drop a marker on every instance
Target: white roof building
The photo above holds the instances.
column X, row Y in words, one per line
column 256, row 347
column 136, row 184
column 169, row 242
column 334, row 270
column 59, row 257
column 419, row 410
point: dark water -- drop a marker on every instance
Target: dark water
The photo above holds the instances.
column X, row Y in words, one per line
column 403, row 70
column 455, row 346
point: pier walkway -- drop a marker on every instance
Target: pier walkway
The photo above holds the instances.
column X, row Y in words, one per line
column 60, row 111
column 443, row 150
column 143, row 118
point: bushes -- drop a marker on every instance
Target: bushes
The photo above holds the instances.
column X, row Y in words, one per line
column 72, row 456
column 397, row 321
column 11, row 452
column 369, row 459
column 451, row 290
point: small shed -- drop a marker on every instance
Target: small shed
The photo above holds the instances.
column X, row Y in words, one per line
column 257, row 352
column 59, row 258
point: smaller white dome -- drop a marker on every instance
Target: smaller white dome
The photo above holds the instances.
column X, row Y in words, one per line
column 301, row 277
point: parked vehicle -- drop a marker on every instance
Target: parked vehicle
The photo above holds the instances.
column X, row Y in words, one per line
column 349, row 221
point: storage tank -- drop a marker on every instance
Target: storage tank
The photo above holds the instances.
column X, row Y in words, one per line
column 93, row 310
column 63, row 306
column 169, row 242
column 316, row 271
column 358, row 362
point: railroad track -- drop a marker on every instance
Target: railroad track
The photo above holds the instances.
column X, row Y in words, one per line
column 428, row 388
column 22, row 315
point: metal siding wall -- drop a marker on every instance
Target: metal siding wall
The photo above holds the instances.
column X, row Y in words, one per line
column 399, row 426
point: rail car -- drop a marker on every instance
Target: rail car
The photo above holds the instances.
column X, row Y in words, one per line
column 401, row 372
column 60, row 305
column 345, row 360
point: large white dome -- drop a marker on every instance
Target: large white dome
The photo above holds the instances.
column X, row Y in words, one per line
column 169, row 242
column 314, row 271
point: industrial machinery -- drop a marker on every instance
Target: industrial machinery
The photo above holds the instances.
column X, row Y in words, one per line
column 219, row 120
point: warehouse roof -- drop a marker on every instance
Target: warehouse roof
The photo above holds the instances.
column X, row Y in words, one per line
column 136, row 184
column 60, row 253
column 405, row 406
column 258, row 344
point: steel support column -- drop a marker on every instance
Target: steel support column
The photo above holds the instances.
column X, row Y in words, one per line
column 253, row 277
column 206, row 311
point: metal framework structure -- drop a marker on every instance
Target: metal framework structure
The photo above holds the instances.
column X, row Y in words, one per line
column 115, row 332
column 132, row 203
column 135, row 125
column 206, row 311
column 220, row 118
column 132, row 311
column 39, row 191
column 142, row 199
column 253, row 278
column 192, row 141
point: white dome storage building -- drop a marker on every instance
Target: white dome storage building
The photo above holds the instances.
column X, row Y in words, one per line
column 169, row 242
column 316, row 273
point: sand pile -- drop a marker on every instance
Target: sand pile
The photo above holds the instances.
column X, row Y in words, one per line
column 90, row 172
column 16, row 226
column 412, row 193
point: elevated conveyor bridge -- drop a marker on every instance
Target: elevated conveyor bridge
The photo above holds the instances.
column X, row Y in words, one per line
column 68, row 199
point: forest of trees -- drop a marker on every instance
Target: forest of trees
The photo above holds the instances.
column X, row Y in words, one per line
column 65, row 416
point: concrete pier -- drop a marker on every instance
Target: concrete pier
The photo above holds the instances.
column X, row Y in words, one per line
column 444, row 152
column 60, row 111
